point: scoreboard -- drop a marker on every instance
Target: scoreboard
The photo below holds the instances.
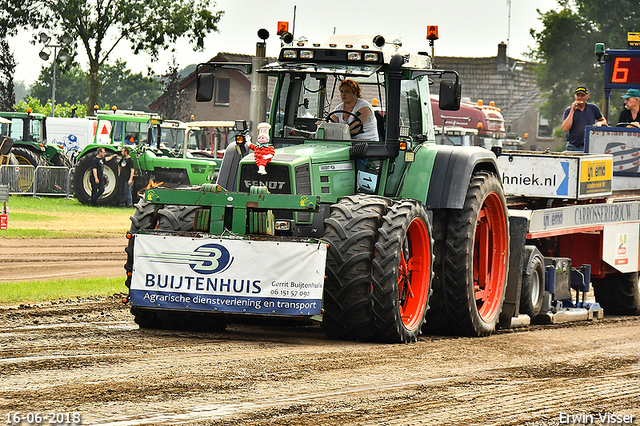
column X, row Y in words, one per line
column 622, row 69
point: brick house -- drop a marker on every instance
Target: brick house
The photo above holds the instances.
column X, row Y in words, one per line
column 230, row 94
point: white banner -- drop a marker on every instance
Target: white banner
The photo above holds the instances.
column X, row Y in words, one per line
column 216, row 274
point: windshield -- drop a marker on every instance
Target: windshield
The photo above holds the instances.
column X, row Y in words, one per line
column 172, row 137
column 210, row 139
column 305, row 99
column 34, row 130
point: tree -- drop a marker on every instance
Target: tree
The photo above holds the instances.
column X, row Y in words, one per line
column 99, row 26
column 126, row 90
column 71, row 84
column 120, row 86
column 7, row 70
column 565, row 46
column 173, row 106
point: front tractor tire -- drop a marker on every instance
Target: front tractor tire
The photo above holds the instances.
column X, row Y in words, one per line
column 82, row 182
column 402, row 272
column 351, row 231
column 477, row 252
column 27, row 157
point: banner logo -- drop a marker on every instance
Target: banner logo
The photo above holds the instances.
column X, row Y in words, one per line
column 206, row 259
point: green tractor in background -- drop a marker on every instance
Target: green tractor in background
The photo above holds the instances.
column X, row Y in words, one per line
column 156, row 147
column 30, row 146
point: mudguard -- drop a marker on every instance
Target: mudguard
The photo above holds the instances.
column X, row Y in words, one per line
column 440, row 175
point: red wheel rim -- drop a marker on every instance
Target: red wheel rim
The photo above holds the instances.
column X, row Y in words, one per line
column 414, row 274
column 490, row 257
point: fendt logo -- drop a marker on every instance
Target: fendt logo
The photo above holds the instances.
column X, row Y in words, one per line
column 206, row 259
column 270, row 184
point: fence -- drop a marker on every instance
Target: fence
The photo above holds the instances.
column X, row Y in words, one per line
column 43, row 180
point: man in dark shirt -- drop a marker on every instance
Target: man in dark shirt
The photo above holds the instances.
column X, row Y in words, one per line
column 631, row 112
column 125, row 177
column 579, row 115
column 97, row 174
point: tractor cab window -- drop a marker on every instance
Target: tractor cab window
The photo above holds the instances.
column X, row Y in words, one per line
column 410, row 107
column 17, row 129
column 299, row 106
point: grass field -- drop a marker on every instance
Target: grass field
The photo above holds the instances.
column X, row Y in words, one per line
column 49, row 217
column 42, row 291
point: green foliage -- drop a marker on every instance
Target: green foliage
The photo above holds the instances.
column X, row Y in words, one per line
column 565, row 46
column 149, row 26
column 121, row 87
column 72, row 85
column 127, row 90
column 7, row 70
column 62, row 110
column 174, row 99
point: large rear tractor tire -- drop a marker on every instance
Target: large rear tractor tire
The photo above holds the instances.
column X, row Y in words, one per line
column 477, row 255
column 352, row 231
column 402, row 271
column 61, row 160
column 532, row 291
column 618, row 294
column 82, row 182
column 26, row 157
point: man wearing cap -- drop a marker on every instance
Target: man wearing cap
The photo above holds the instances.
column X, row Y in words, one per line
column 579, row 115
column 629, row 114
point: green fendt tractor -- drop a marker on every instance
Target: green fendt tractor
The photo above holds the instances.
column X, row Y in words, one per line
column 361, row 235
column 158, row 152
column 30, row 146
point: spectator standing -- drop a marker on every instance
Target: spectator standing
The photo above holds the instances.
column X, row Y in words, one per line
column 577, row 116
column 97, row 174
column 125, row 177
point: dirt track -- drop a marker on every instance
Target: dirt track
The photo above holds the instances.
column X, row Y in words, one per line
column 46, row 259
column 90, row 357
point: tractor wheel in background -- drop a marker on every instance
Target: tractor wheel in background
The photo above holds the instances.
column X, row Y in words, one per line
column 13, row 161
column 436, row 319
column 618, row 294
column 402, row 271
column 82, row 182
column 351, row 231
column 26, row 157
column 532, row 290
column 477, row 255
column 61, row 160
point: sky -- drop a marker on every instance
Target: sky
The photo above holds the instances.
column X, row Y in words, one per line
column 467, row 28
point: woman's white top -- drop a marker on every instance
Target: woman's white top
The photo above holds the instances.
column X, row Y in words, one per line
column 370, row 127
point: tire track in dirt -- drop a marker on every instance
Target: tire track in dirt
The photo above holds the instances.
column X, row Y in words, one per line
column 90, row 357
column 46, row 259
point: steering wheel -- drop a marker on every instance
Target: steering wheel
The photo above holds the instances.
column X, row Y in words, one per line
column 626, row 124
column 356, row 119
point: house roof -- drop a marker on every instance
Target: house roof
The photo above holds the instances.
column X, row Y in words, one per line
column 493, row 79
column 220, row 57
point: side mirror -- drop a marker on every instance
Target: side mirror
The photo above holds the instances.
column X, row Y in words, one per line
column 204, row 87
column 241, row 126
column 449, row 95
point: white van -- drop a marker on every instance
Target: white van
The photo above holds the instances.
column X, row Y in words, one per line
column 73, row 134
